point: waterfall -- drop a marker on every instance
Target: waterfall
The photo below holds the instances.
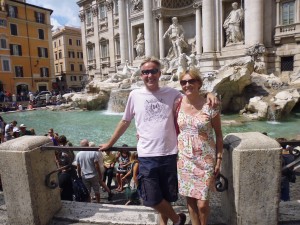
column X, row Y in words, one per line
column 117, row 100
column 273, row 114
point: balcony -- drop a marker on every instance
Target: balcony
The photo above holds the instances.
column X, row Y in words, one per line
column 91, row 64
column 287, row 31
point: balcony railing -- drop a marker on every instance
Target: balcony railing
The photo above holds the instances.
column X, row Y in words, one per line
column 287, row 31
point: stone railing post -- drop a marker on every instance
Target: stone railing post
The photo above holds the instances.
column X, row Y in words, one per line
column 252, row 165
column 23, row 167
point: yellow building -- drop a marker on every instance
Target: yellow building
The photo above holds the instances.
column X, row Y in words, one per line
column 69, row 68
column 26, row 58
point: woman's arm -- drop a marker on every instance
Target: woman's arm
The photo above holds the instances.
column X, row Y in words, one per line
column 216, row 124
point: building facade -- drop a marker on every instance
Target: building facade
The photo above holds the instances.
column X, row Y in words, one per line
column 68, row 59
column 26, row 59
column 215, row 31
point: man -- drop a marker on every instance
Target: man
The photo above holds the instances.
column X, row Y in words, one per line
column 232, row 25
column 88, row 168
column 176, row 35
column 152, row 107
column 8, row 130
column 23, row 130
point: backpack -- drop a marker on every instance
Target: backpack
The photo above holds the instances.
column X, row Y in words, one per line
column 81, row 193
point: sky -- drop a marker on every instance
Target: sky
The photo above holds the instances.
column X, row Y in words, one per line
column 65, row 12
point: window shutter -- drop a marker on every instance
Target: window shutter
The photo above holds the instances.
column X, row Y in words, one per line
column 47, row 72
column 46, row 52
column 35, row 15
column 41, row 72
column 21, row 71
column 16, row 11
column 43, row 17
column 39, row 52
column 11, row 49
column 20, row 50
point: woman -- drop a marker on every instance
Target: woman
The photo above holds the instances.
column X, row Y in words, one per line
column 199, row 156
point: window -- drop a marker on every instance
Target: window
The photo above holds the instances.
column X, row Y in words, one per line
column 102, row 11
column 12, row 11
column 116, row 7
column 44, row 72
column 59, row 44
column 19, row 71
column 73, row 78
column 72, row 67
column 78, row 42
column 3, row 43
column 60, row 55
column 90, row 53
column 5, row 65
column 117, row 43
column 15, row 49
column 43, row 52
column 3, row 23
column 39, row 17
column 70, row 41
column 79, row 55
column 55, row 55
column 104, row 49
column 287, row 12
column 71, row 54
column 41, row 34
column 54, row 44
column 80, row 67
column 56, row 68
column 13, row 29
column 89, row 18
column 61, row 68
column 287, row 63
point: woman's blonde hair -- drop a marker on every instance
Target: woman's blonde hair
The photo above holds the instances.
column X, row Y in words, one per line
column 194, row 73
column 133, row 157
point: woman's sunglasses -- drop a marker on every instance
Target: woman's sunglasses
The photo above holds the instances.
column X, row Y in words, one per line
column 184, row 82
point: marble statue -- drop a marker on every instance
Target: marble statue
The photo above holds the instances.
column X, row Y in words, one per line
column 182, row 66
column 137, row 5
column 233, row 25
column 176, row 36
column 2, row 5
column 139, row 45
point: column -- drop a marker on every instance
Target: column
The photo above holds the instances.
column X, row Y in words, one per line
column 97, row 50
column 198, row 28
column 123, row 31
column 160, row 36
column 277, row 12
column 148, row 28
column 208, row 26
column 254, row 14
column 297, row 7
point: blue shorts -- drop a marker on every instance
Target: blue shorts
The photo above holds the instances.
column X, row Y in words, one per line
column 158, row 179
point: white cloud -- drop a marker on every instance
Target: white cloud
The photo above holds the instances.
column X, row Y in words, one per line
column 65, row 12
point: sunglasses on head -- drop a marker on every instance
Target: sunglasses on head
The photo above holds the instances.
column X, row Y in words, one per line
column 184, row 82
column 153, row 71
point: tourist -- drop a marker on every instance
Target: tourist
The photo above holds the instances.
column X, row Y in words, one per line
column 16, row 132
column 53, row 136
column 64, row 153
column 24, row 131
column 2, row 129
column 109, row 160
column 123, row 159
column 152, row 107
column 199, row 157
column 32, row 131
column 88, row 169
column 8, row 131
column 232, row 25
column 132, row 174
column 65, row 179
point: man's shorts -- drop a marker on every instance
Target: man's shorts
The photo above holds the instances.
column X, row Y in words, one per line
column 92, row 183
column 158, row 179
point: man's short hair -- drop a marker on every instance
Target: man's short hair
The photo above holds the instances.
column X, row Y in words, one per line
column 84, row 143
column 153, row 60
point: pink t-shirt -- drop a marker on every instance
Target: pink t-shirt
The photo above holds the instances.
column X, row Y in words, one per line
column 154, row 120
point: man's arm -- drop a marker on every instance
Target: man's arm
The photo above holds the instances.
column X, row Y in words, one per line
column 167, row 32
column 78, row 170
column 119, row 131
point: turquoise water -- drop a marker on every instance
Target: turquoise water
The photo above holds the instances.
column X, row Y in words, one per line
column 98, row 126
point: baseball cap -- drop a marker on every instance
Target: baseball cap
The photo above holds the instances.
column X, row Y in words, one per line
column 22, row 125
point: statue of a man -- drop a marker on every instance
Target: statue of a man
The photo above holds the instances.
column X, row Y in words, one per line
column 176, row 35
column 139, row 44
column 2, row 5
column 232, row 25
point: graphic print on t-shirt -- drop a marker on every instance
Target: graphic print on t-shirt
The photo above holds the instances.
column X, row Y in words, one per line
column 155, row 110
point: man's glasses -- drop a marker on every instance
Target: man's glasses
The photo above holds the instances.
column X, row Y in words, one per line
column 184, row 82
column 147, row 72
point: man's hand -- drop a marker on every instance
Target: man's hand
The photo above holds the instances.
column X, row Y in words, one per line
column 212, row 100
column 103, row 147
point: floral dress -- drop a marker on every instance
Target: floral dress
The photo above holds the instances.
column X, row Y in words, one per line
column 197, row 153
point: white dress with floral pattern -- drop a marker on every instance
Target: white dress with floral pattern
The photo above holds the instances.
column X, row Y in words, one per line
column 197, row 153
